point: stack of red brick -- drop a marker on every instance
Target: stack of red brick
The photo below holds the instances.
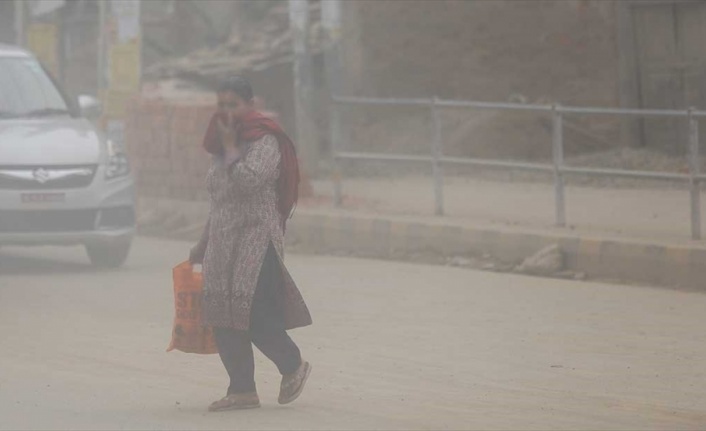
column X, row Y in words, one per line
column 164, row 139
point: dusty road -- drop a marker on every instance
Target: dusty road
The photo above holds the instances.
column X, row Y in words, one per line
column 394, row 346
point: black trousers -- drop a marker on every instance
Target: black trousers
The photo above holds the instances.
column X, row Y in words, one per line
column 267, row 332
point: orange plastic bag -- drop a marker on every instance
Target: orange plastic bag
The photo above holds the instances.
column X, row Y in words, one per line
column 188, row 335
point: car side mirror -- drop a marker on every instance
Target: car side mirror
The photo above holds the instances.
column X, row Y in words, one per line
column 89, row 107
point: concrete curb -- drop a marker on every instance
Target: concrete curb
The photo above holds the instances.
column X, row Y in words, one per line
column 669, row 265
column 323, row 231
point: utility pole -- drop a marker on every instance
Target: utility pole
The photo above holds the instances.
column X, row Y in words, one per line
column 303, row 95
column 19, row 22
column 331, row 23
column 632, row 128
column 101, row 66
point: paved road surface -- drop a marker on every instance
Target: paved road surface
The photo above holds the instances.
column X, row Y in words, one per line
column 394, row 346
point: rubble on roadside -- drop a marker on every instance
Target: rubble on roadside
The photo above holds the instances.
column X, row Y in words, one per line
column 545, row 262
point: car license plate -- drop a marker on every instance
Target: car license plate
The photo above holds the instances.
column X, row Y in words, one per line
column 29, row 198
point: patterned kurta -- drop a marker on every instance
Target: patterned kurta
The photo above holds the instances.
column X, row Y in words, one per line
column 243, row 221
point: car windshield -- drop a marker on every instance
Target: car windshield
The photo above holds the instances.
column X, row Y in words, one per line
column 27, row 91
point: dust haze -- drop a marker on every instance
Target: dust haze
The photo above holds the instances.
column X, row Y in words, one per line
column 499, row 222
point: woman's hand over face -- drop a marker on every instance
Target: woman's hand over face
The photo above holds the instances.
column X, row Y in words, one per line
column 227, row 131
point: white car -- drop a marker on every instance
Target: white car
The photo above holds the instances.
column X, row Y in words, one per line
column 61, row 181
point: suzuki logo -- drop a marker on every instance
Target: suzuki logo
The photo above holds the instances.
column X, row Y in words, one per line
column 41, row 176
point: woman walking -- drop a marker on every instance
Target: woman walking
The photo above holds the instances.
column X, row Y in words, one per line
column 248, row 296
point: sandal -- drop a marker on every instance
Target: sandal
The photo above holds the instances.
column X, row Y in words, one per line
column 293, row 384
column 236, row 402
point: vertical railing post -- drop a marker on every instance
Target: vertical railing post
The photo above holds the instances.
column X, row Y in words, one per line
column 336, row 136
column 694, row 183
column 436, row 154
column 558, row 159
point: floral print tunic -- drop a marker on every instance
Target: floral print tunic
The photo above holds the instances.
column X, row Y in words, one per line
column 243, row 221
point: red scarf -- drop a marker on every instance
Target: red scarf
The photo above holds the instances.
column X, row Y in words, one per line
column 254, row 126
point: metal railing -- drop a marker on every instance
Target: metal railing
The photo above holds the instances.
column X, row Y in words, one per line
column 437, row 159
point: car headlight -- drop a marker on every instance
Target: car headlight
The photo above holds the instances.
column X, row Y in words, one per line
column 117, row 164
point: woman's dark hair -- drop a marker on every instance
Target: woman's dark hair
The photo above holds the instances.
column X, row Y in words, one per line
column 238, row 85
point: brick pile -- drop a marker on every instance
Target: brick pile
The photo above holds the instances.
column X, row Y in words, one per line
column 163, row 141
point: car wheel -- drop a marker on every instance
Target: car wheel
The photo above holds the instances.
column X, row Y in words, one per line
column 109, row 255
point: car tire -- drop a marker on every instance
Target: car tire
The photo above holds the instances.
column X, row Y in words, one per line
column 109, row 255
